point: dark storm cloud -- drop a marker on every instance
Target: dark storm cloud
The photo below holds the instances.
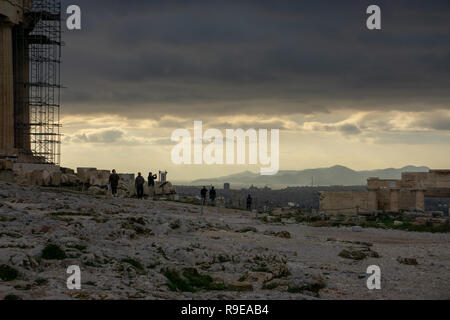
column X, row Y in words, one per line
column 191, row 58
column 349, row 129
column 345, row 129
column 435, row 122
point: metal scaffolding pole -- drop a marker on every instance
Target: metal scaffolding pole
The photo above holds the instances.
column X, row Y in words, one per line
column 44, row 43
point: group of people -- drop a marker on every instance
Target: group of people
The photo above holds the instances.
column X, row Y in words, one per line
column 114, row 179
column 140, row 181
column 212, row 195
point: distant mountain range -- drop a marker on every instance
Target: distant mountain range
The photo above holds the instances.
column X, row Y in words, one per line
column 334, row 176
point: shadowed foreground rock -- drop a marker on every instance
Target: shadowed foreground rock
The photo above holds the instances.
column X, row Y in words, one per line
column 130, row 249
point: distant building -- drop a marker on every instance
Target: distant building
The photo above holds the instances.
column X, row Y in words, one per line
column 390, row 195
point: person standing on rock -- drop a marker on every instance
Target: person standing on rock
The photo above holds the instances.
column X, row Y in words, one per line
column 203, row 193
column 114, row 182
column 212, row 196
column 151, row 179
column 151, row 183
column 140, row 186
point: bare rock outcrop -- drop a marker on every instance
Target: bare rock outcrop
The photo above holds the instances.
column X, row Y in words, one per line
column 131, row 249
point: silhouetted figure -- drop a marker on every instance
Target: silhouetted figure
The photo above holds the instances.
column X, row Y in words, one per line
column 140, row 186
column 249, row 202
column 212, row 195
column 151, row 179
column 114, row 182
column 203, row 193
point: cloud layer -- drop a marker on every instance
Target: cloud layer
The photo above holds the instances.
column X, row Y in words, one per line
column 209, row 58
column 339, row 93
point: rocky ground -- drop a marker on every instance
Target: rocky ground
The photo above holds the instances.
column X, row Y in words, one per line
column 130, row 249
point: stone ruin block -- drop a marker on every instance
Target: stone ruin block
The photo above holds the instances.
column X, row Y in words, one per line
column 37, row 174
column 163, row 188
column 97, row 190
column 55, row 179
column 84, row 174
column 67, row 171
column 99, row 178
column 6, row 165
column 33, row 178
column 22, row 168
column 129, row 177
column 93, row 176
column 42, row 178
column 69, row 179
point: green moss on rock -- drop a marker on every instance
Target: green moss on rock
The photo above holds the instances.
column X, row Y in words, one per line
column 8, row 273
column 53, row 252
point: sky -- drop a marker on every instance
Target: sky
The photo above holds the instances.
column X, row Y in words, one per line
column 338, row 92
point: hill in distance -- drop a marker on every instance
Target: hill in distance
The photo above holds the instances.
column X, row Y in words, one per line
column 333, row 176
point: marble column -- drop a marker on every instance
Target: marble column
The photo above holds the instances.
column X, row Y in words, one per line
column 394, row 199
column 21, row 90
column 6, row 90
column 420, row 199
column 372, row 200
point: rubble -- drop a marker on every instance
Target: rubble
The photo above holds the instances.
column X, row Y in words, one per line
column 358, row 254
column 240, row 286
column 407, row 261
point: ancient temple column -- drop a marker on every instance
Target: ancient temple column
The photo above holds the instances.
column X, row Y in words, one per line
column 26, row 96
column 372, row 204
column 6, row 89
column 420, row 199
column 21, row 90
column 394, row 205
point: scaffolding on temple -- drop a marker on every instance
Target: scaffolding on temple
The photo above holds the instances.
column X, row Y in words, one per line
column 44, row 49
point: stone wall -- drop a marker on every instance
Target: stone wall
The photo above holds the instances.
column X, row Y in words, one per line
column 384, row 199
column 427, row 180
column 441, row 178
column 22, row 168
column 345, row 202
column 407, row 199
column 375, row 183
column 391, row 195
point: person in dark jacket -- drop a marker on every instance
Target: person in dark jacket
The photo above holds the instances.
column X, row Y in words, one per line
column 203, row 193
column 249, row 202
column 140, row 186
column 114, row 182
column 212, row 195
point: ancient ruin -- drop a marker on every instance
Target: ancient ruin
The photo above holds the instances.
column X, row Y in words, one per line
column 30, row 41
column 30, row 57
column 408, row 193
